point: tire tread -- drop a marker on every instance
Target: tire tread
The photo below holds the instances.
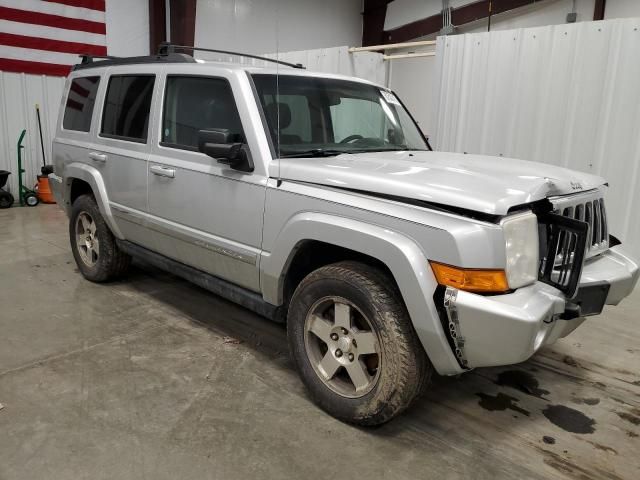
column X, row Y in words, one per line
column 410, row 364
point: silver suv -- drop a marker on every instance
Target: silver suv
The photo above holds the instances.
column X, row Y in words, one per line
column 315, row 200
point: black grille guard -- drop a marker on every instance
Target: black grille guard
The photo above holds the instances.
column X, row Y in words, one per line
column 563, row 244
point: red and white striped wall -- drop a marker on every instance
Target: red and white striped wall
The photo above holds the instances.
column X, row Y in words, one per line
column 46, row 36
column 42, row 44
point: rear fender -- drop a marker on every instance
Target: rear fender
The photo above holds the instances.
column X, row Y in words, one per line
column 92, row 176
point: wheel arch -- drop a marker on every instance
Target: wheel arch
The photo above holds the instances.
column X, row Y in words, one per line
column 392, row 251
column 84, row 179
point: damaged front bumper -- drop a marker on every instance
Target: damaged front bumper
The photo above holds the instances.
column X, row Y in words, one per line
column 506, row 329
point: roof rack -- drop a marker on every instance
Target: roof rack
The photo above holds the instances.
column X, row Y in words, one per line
column 166, row 48
column 166, row 54
column 89, row 61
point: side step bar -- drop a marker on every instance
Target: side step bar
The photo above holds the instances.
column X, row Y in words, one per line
column 223, row 288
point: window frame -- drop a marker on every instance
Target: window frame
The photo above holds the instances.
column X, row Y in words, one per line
column 95, row 101
column 122, row 138
column 178, row 146
column 265, row 125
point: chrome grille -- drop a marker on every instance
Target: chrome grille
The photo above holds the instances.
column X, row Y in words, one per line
column 587, row 207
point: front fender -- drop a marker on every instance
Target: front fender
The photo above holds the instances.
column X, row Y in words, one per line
column 404, row 258
column 93, row 177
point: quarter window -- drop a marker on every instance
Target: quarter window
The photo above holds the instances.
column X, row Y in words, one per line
column 197, row 103
column 126, row 107
column 80, row 101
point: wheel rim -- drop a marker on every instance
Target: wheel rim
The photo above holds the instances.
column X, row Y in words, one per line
column 342, row 347
column 86, row 239
column 31, row 200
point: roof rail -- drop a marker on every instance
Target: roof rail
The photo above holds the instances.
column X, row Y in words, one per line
column 89, row 61
column 166, row 48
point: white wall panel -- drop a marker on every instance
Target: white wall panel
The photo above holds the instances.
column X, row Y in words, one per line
column 414, row 81
column 127, row 27
column 621, row 9
column 367, row 65
column 563, row 94
column 19, row 94
column 265, row 26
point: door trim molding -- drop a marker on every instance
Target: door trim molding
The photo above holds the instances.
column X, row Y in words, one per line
column 215, row 244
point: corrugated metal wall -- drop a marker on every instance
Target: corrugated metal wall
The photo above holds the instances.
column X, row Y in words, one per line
column 367, row 65
column 565, row 94
column 19, row 94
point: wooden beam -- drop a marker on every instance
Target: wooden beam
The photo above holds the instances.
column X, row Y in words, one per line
column 373, row 16
column 471, row 12
column 183, row 21
column 392, row 46
column 157, row 25
column 598, row 10
column 409, row 55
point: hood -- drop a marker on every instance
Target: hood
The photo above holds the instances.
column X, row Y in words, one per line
column 475, row 182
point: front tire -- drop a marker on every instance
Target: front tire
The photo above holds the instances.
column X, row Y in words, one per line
column 93, row 245
column 353, row 344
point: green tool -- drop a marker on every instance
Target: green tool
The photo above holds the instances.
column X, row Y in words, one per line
column 27, row 197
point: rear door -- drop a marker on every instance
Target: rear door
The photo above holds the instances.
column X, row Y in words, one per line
column 122, row 149
column 203, row 213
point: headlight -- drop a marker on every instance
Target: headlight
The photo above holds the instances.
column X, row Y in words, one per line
column 521, row 247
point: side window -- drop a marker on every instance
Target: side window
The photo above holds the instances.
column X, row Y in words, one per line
column 80, row 101
column 126, row 107
column 197, row 103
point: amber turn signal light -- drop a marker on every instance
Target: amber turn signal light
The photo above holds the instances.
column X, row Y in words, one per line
column 470, row 279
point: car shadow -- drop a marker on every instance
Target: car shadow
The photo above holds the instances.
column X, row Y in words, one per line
column 495, row 398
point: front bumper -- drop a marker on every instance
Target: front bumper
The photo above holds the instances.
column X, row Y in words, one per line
column 506, row 329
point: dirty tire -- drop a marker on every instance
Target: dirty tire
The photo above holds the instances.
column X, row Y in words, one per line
column 404, row 368
column 111, row 262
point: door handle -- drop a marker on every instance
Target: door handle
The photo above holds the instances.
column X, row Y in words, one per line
column 98, row 157
column 163, row 171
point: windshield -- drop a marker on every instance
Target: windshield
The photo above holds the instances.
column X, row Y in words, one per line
column 311, row 116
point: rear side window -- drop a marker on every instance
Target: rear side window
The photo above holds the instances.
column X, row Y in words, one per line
column 126, row 107
column 80, row 101
column 197, row 103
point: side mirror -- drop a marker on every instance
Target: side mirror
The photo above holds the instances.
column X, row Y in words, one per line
column 222, row 145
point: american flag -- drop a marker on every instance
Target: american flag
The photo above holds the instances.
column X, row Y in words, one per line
column 45, row 37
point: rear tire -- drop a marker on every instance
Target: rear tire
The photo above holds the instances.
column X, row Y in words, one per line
column 353, row 344
column 93, row 245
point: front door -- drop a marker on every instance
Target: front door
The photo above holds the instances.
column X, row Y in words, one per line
column 202, row 212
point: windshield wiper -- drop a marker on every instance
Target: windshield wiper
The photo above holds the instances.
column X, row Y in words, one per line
column 315, row 152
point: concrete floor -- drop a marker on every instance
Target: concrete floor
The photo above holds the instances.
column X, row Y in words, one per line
column 155, row 378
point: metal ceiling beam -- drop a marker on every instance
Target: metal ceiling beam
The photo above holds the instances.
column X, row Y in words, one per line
column 182, row 22
column 598, row 10
column 373, row 17
column 459, row 16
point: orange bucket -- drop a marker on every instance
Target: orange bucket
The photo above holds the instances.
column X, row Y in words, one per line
column 44, row 192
